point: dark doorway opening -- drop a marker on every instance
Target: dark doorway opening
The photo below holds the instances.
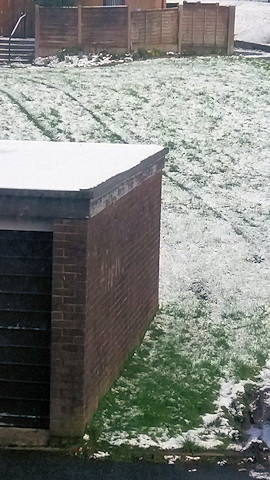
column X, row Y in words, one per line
column 25, row 328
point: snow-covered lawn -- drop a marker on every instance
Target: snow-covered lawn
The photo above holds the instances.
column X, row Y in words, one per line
column 212, row 333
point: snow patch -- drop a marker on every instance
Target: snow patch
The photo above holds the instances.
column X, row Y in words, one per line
column 64, row 60
column 259, row 475
column 171, row 459
column 221, row 463
column 99, row 454
column 228, row 392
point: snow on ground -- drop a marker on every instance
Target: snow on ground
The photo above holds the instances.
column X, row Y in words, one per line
column 259, row 475
column 82, row 60
column 184, row 385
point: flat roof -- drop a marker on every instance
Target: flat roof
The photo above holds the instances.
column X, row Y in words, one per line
column 67, row 167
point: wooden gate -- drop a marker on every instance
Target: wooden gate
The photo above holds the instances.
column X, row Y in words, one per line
column 25, row 318
column 10, row 11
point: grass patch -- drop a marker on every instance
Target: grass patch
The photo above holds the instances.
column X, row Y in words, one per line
column 181, row 359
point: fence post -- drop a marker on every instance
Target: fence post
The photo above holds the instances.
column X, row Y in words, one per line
column 79, row 24
column 37, row 30
column 230, row 41
column 180, row 28
column 128, row 29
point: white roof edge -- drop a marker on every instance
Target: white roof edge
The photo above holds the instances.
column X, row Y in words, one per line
column 69, row 167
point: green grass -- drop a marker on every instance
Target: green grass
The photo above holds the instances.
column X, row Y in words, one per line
column 173, row 378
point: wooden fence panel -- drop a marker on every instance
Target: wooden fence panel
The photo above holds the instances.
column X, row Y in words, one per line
column 58, row 28
column 210, row 31
column 10, row 11
column 105, row 28
column 137, row 23
column 205, row 28
column 198, row 26
column 222, row 27
column 154, row 28
column 169, row 26
column 191, row 28
column 187, row 26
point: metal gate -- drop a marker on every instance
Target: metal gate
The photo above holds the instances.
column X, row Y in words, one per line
column 25, row 319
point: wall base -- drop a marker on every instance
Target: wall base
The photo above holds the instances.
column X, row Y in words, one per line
column 23, row 437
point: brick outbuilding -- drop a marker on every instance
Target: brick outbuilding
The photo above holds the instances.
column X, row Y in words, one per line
column 79, row 269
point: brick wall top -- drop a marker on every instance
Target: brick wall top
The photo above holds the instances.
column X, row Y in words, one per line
column 69, row 180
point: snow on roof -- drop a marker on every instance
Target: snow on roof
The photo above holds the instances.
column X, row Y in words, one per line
column 63, row 166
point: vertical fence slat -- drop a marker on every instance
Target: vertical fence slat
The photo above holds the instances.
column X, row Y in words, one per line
column 145, row 26
column 161, row 29
column 180, row 28
column 193, row 22
column 128, row 30
column 216, row 24
column 204, row 25
column 79, row 25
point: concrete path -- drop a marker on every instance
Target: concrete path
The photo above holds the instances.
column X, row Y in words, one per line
column 32, row 465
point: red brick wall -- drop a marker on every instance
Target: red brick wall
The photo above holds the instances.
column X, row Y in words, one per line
column 68, row 328
column 122, row 287
column 104, row 293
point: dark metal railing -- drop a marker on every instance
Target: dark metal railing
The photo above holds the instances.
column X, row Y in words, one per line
column 21, row 17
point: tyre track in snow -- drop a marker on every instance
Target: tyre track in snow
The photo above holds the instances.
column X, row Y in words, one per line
column 97, row 118
column 237, row 229
column 113, row 135
column 28, row 115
